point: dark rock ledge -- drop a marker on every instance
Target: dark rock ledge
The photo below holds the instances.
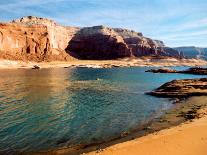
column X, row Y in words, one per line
column 182, row 88
column 194, row 70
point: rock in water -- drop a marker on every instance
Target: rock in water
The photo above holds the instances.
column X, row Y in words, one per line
column 182, row 88
column 36, row 67
column 162, row 70
column 193, row 70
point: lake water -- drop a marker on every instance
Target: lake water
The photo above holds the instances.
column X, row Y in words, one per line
column 51, row 108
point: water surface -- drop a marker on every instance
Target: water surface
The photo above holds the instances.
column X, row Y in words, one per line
column 51, row 108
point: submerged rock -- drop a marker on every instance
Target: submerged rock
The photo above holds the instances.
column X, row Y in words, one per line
column 189, row 115
column 182, row 88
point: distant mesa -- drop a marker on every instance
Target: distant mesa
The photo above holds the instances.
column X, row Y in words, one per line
column 41, row 39
column 193, row 52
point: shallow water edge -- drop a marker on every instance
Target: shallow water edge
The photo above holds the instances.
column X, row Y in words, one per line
column 170, row 118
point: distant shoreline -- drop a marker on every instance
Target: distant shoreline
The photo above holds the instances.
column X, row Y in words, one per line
column 127, row 62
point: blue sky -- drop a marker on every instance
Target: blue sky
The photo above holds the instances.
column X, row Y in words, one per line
column 176, row 22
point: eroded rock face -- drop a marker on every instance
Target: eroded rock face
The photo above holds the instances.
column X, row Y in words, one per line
column 193, row 52
column 98, row 43
column 33, row 38
column 39, row 39
column 101, row 42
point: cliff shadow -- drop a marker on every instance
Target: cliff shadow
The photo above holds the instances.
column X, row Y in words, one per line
column 92, row 44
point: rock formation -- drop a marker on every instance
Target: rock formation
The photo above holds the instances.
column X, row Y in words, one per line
column 162, row 70
column 101, row 42
column 98, row 42
column 32, row 38
column 193, row 52
column 182, row 88
column 193, row 70
column 39, row 39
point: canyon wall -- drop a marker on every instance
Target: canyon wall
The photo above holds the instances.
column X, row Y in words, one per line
column 40, row 39
column 33, row 38
column 193, row 52
column 100, row 42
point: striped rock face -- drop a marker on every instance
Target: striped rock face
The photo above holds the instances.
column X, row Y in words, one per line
column 40, row 39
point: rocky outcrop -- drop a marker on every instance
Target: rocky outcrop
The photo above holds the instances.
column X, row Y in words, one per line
column 33, row 38
column 40, row 39
column 193, row 70
column 162, row 70
column 98, row 43
column 143, row 46
column 101, row 42
column 182, row 88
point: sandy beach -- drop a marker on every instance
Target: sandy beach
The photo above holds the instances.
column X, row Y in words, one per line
column 128, row 62
column 189, row 138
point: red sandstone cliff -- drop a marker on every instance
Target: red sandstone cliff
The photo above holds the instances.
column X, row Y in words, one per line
column 33, row 38
column 39, row 39
column 98, row 42
column 101, row 42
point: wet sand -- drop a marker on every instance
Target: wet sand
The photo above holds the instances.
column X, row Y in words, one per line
column 185, row 139
column 128, row 62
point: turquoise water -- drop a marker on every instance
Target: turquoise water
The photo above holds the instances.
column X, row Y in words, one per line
column 51, row 108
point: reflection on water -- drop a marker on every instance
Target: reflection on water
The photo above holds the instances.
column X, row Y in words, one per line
column 49, row 108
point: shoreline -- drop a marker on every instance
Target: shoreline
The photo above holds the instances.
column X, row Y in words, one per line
column 172, row 118
column 188, row 138
column 127, row 62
